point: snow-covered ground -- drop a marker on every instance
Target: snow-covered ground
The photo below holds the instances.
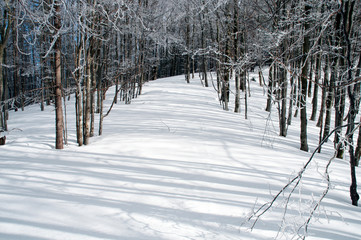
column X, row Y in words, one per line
column 172, row 165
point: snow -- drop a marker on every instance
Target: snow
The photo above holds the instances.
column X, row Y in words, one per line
column 171, row 165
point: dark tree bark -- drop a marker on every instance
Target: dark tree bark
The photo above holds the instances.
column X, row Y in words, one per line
column 339, row 116
column 357, row 106
column 315, row 89
column 5, row 28
column 236, row 52
column 347, row 26
column 283, row 108
column 187, row 67
column 304, row 74
column 310, row 77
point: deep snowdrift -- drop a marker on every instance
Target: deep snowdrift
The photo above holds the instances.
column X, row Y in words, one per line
column 172, row 165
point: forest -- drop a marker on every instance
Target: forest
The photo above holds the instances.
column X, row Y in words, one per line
column 50, row 49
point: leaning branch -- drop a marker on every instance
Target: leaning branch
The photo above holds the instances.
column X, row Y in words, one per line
column 296, row 180
column 114, row 100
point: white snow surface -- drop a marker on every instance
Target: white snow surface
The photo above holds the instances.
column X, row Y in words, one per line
column 171, row 165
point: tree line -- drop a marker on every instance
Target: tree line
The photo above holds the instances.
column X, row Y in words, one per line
column 52, row 48
column 312, row 49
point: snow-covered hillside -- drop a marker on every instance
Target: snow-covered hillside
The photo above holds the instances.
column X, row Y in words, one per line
column 172, row 165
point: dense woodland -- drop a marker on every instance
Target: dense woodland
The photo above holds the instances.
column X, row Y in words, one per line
column 50, row 49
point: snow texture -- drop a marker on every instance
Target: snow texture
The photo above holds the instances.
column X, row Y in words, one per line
column 171, row 165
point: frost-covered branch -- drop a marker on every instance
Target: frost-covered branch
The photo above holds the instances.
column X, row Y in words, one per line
column 257, row 214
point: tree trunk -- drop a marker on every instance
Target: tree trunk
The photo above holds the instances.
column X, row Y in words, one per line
column 4, row 36
column 245, row 80
column 87, row 110
column 347, row 23
column 283, row 112
column 237, row 45
column 315, row 89
column 310, row 83
column 2, row 92
column 237, row 101
column 17, row 85
column 298, row 95
column 358, row 85
column 101, row 118
column 270, row 89
column 292, row 98
column 187, row 67
column 304, row 74
column 357, row 105
column 329, row 102
column 59, row 122
column 92, row 98
column 339, row 116
column 79, row 115
column 227, row 56
column 324, row 92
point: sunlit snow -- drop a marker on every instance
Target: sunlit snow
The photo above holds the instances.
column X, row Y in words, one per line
column 172, row 165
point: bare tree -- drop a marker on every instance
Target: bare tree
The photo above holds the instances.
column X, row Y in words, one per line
column 5, row 29
column 59, row 121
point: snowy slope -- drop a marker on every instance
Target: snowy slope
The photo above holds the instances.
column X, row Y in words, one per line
column 172, row 165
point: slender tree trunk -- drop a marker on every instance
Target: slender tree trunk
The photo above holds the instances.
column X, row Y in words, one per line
column 141, row 67
column 2, row 92
column 204, row 60
column 92, row 98
column 283, row 112
column 298, row 97
column 65, row 122
column 87, row 103
column 329, row 103
column 236, row 45
column 58, row 86
column 101, row 111
column 237, row 101
column 315, row 89
column 358, row 85
column 226, row 69
column 357, row 105
column 98, row 82
column 188, row 58
column 339, row 116
column 78, row 93
column 4, row 98
column 304, row 74
column 260, row 76
column 358, row 149
column 245, row 80
column 203, row 39
column 270, row 89
column 347, row 25
column 17, row 85
column 292, row 99
column 310, row 83
column 333, row 74
column 79, row 115
column 4, row 36
column 325, row 85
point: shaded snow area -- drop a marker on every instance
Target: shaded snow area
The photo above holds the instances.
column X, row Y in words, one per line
column 172, row 165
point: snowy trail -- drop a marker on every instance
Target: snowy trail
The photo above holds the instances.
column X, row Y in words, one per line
column 172, row 165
